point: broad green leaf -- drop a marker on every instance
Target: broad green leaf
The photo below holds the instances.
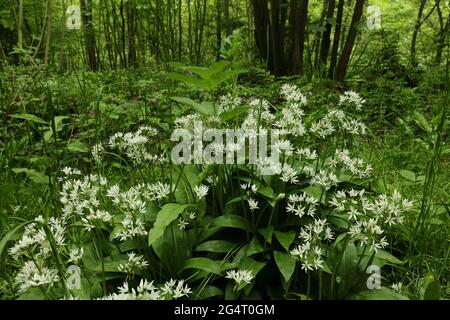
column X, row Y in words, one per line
column 29, row 117
column 267, row 192
column 33, row 294
column 430, row 287
column 203, row 264
column 232, row 221
column 381, row 255
column 230, row 115
column 409, row 175
column 209, row 292
column 48, row 135
column 286, row 264
column 168, row 213
column 77, row 146
column 59, row 122
column 249, row 264
column 195, row 82
column 313, row 191
column 220, row 246
column 285, row 238
column 33, row 175
column 378, row 294
column 267, row 233
column 204, row 107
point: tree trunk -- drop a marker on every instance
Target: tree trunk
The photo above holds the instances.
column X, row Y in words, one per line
column 48, row 32
column 122, row 34
column 443, row 30
column 337, row 37
column 20, row 25
column 131, row 14
column 262, row 26
column 62, row 58
column 416, row 32
column 89, row 34
column 180, row 31
column 226, row 17
column 341, row 69
column 218, row 28
column 297, row 21
column 326, row 37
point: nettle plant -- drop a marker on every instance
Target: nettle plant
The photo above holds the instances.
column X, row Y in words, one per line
column 310, row 230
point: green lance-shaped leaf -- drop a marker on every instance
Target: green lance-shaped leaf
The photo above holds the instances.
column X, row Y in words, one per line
column 168, row 213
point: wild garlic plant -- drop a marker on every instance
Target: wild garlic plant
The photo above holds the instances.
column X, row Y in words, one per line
column 220, row 222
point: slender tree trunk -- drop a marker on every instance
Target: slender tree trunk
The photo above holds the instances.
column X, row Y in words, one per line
column 108, row 36
column 202, row 28
column 319, row 34
column 63, row 58
column 218, row 28
column 443, row 30
column 131, row 15
column 336, row 38
column 341, row 69
column 326, row 37
column 190, row 42
column 180, row 30
column 89, row 34
column 297, row 21
column 277, row 37
column 114, row 35
column 413, row 55
column 226, row 17
column 48, row 33
column 20, row 25
column 122, row 34
column 262, row 27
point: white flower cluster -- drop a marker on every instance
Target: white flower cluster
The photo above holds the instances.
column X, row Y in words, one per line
column 334, row 121
column 31, row 275
column 367, row 218
column 228, row 102
column 146, row 290
column 310, row 251
column 258, row 117
column 79, row 196
column 288, row 173
column 352, row 98
column 324, row 179
column 34, row 242
column 293, row 95
column 356, row 166
column 290, row 121
column 75, row 255
column 201, row 191
column 134, row 144
column 187, row 121
column 302, row 204
column 133, row 204
column 135, row 262
column 242, row 278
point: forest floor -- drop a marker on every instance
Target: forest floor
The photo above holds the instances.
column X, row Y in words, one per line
column 130, row 214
